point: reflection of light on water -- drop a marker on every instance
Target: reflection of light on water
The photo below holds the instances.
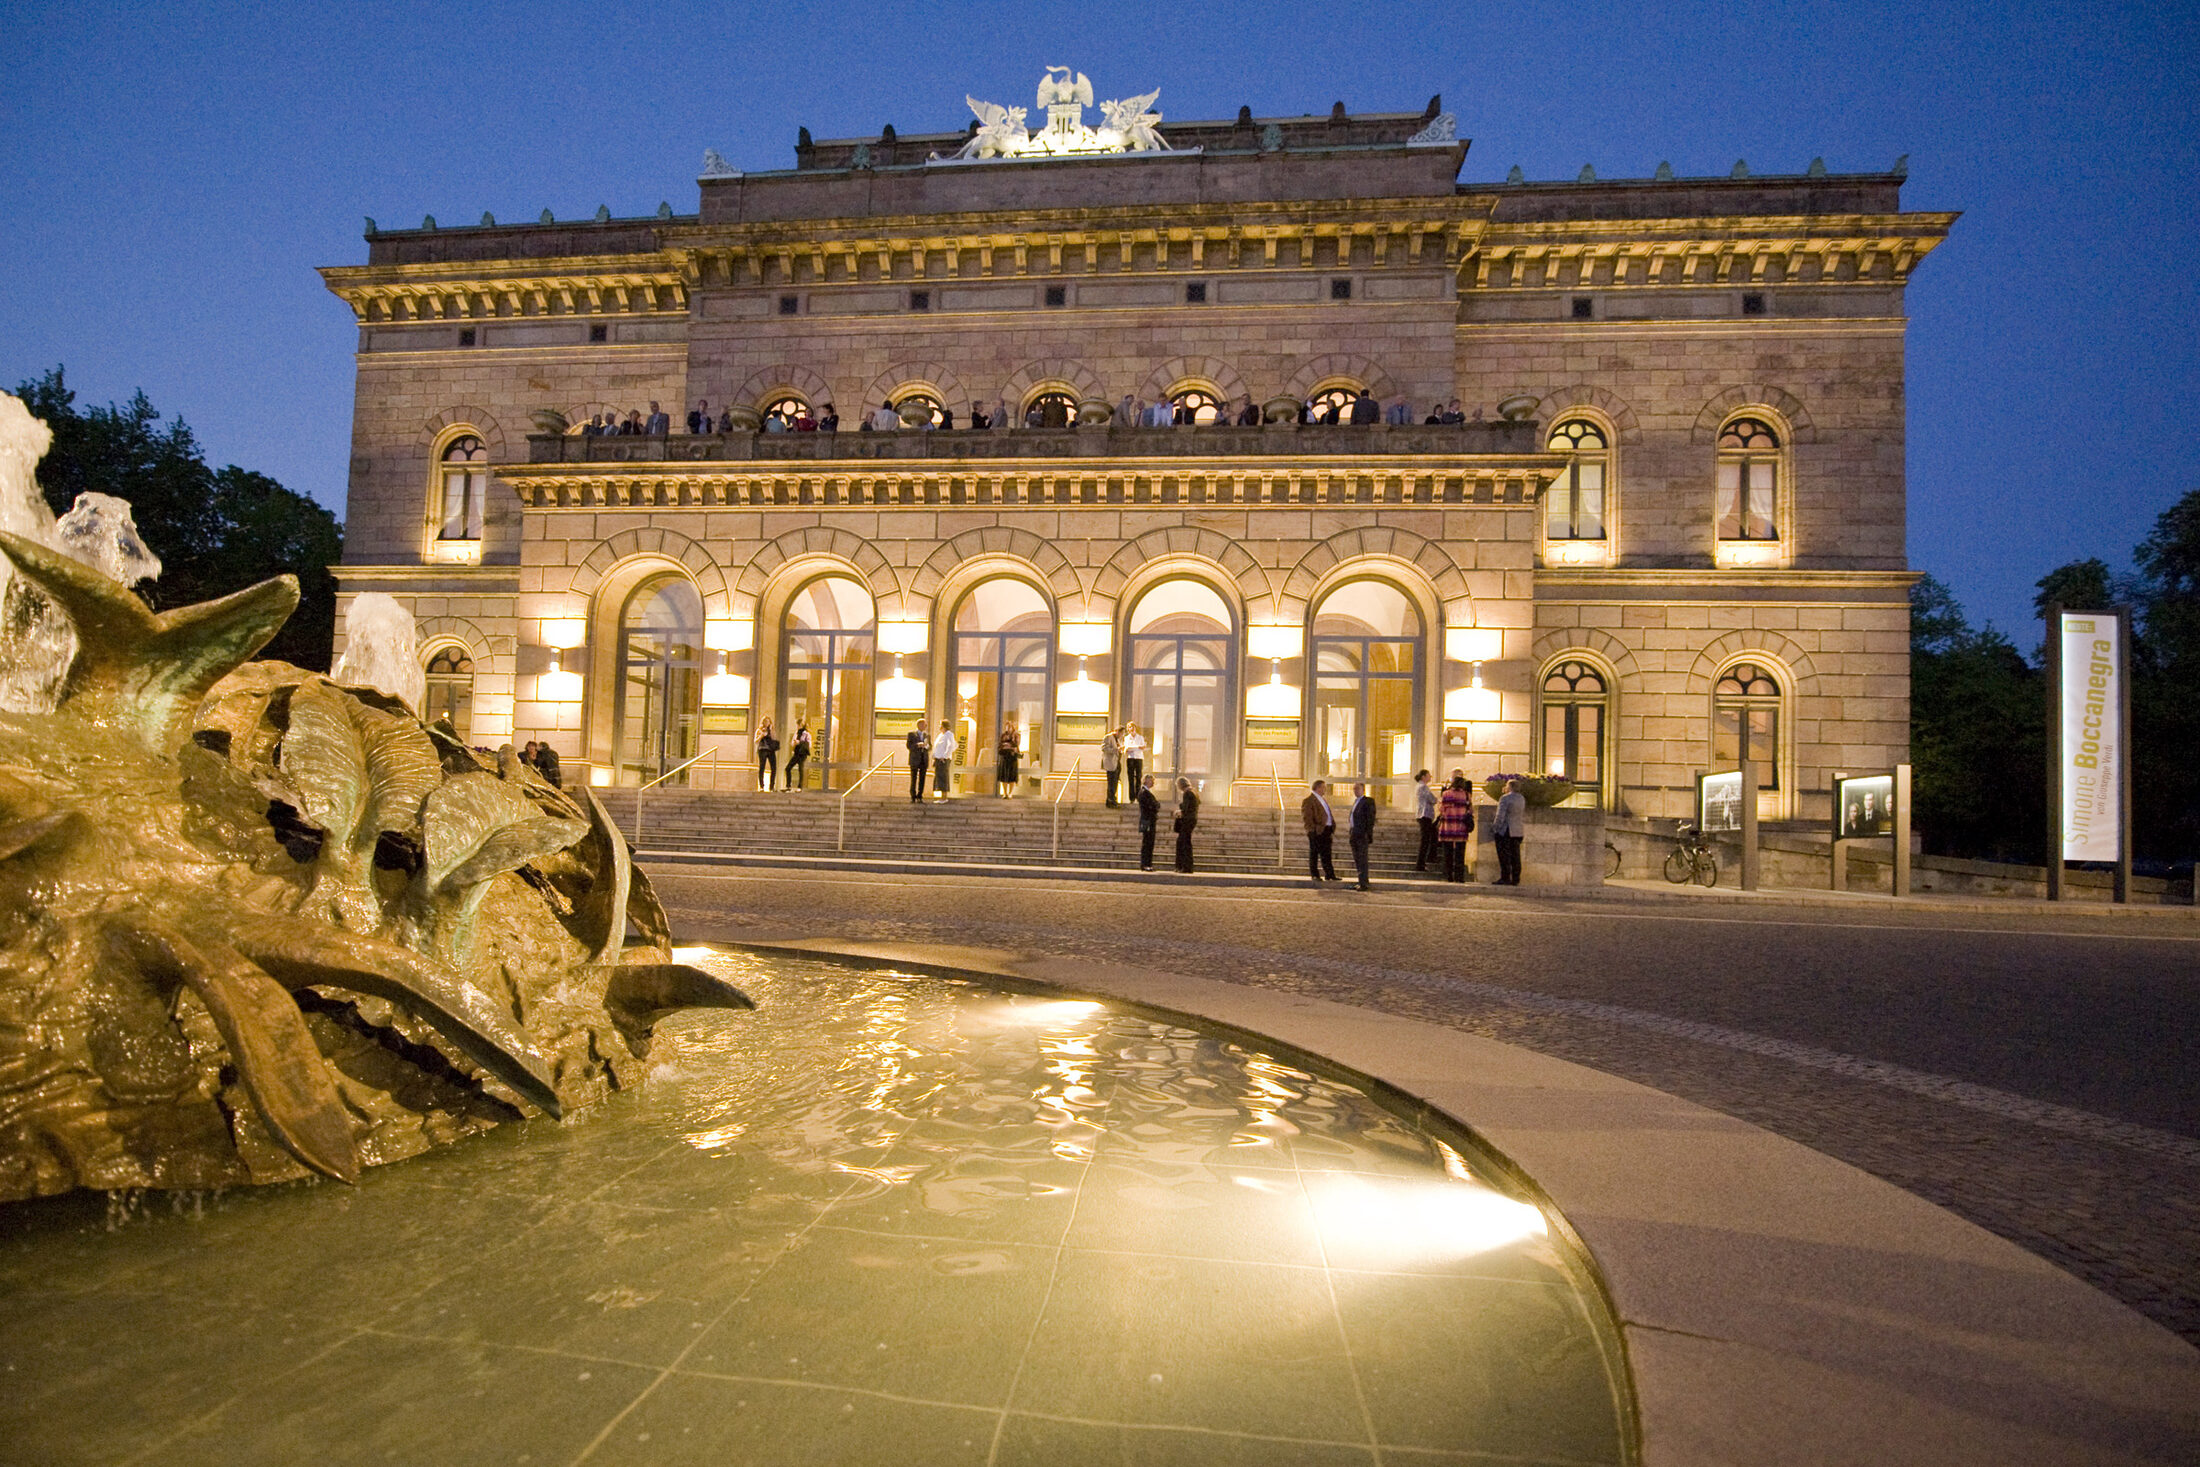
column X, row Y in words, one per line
column 698, row 954
column 1421, row 1221
column 714, row 1140
column 1053, row 1014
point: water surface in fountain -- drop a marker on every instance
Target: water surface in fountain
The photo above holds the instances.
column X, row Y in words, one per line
column 885, row 1218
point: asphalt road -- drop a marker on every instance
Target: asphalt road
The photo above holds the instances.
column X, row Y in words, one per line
column 2037, row 1074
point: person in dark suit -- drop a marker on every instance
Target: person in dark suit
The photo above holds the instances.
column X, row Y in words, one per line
column 699, row 421
column 1187, row 821
column 1321, row 834
column 546, row 765
column 1363, row 831
column 1149, row 816
column 920, row 756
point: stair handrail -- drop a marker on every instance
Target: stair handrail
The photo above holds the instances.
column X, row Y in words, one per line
column 660, row 779
column 1068, row 783
column 1283, row 859
column 840, row 843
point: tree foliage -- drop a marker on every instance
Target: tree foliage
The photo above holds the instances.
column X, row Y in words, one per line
column 1978, row 737
column 215, row 530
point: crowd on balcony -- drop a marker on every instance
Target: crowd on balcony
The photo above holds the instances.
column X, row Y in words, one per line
column 1338, row 407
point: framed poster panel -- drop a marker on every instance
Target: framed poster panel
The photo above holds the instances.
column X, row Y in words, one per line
column 1719, row 803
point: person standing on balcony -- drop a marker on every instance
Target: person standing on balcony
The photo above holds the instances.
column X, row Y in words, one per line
column 1455, row 826
column 767, row 756
column 1321, row 834
column 1507, row 828
column 1187, row 821
column 699, row 421
column 1006, row 755
column 1424, row 811
column 1111, row 761
column 920, row 754
column 1363, row 831
column 943, row 758
column 660, row 422
column 1134, row 753
column 1149, row 816
column 798, row 757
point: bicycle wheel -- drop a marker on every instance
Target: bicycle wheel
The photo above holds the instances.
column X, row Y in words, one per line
column 1707, row 869
column 1677, row 866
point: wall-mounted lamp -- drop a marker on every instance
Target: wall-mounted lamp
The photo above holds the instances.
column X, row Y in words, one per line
column 565, row 632
column 557, row 685
column 899, row 694
column 600, row 775
column 1473, row 703
column 1474, row 644
column 1081, row 694
column 903, row 637
column 1273, row 642
column 725, row 690
column 1085, row 638
column 1274, row 698
column 725, row 634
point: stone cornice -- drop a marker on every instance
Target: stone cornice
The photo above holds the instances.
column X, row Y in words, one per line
column 467, row 290
column 462, row 579
column 1096, row 483
column 1829, row 249
column 1622, row 583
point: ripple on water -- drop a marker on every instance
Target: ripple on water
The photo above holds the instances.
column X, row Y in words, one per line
column 885, row 1217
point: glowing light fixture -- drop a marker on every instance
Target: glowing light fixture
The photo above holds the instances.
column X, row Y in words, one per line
column 1474, row 644
column 903, row 637
column 563, row 632
column 725, row 690
column 1473, row 703
column 600, row 775
column 1272, row 642
column 558, row 686
column 723, row 634
column 899, row 693
column 1085, row 638
column 1274, row 698
column 1081, row 694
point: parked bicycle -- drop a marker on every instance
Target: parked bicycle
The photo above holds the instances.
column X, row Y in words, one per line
column 1692, row 858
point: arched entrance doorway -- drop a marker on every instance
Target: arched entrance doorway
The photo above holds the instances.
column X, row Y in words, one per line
column 1367, row 654
column 1183, row 654
column 660, row 679
column 831, row 643
column 1004, row 660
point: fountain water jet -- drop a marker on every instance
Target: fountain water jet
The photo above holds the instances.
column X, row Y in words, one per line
column 382, row 650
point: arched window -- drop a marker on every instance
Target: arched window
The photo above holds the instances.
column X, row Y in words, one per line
column 1202, row 406
column 1051, row 408
column 901, row 401
column 464, row 490
column 1746, row 721
column 831, row 638
column 1573, row 507
column 1367, row 654
column 1334, row 402
column 1182, row 651
column 451, row 689
column 788, row 405
column 660, row 678
column 1004, row 656
column 1749, row 481
column 1576, row 712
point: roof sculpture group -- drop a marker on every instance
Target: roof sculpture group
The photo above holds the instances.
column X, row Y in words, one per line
column 1131, row 126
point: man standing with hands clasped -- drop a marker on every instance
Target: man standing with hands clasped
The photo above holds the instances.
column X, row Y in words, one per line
column 1507, row 828
column 1321, row 834
column 920, row 756
column 1149, row 815
column 1363, row 830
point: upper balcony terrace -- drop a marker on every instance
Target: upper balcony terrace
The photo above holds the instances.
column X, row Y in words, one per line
column 1445, row 440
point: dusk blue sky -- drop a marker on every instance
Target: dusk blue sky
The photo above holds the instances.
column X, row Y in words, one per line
column 172, row 175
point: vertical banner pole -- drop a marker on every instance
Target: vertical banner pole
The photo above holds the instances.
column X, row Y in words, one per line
column 1838, row 865
column 1902, row 830
column 2124, row 753
column 2054, row 752
column 1749, row 824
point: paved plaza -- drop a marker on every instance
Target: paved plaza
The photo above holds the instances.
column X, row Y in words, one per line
column 2032, row 1072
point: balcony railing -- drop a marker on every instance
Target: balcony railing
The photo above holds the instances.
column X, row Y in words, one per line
column 1448, row 440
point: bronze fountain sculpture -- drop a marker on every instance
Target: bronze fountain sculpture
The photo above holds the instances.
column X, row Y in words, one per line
column 255, row 925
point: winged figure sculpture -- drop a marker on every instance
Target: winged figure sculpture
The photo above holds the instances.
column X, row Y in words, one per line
column 1136, row 121
column 1000, row 131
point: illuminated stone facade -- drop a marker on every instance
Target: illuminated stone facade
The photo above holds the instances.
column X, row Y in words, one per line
column 1672, row 519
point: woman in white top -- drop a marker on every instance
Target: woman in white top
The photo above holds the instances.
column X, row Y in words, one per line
column 1134, row 754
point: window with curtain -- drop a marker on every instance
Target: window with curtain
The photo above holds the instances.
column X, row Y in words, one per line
column 1573, row 507
column 1749, row 481
column 1746, row 721
column 465, row 489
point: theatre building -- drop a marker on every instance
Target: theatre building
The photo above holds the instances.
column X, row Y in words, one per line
column 1665, row 526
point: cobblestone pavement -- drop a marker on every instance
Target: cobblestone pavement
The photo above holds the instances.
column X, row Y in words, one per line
column 2038, row 1075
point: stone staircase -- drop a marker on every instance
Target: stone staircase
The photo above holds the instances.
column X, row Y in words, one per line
column 804, row 826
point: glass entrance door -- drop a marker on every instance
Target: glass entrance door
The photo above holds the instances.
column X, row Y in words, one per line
column 1004, row 654
column 661, row 680
column 831, row 645
column 1366, row 651
column 1180, row 694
